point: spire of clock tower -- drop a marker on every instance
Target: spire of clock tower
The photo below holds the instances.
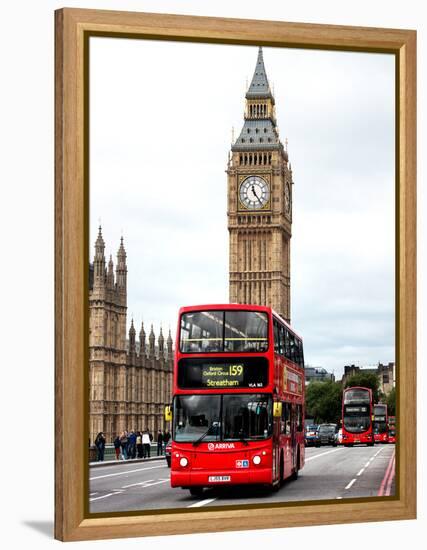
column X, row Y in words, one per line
column 259, row 130
column 259, row 86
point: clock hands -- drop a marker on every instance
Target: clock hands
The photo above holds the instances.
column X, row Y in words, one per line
column 255, row 193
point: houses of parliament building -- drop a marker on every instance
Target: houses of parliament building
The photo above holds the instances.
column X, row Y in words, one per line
column 130, row 380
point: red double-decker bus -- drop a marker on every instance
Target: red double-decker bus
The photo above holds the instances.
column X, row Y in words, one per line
column 392, row 429
column 380, row 424
column 238, row 405
column 357, row 411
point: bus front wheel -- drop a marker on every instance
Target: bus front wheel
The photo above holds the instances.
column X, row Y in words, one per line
column 295, row 473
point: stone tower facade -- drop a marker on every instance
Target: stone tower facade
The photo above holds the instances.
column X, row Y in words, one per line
column 129, row 382
column 260, row 204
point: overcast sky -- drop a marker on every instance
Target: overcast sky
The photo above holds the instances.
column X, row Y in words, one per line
column 161, row 119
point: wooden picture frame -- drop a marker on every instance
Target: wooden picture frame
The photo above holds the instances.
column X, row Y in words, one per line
column 73, row 29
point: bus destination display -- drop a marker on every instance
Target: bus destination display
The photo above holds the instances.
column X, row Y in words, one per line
column 222, row 376
column 220, row 373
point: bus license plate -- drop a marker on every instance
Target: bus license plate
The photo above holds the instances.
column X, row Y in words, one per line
column 219, row 479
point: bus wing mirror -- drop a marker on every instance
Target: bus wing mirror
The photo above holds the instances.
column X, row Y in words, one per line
column 168, row 413
column 277, row 409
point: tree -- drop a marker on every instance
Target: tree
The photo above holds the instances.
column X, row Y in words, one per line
column 365, row 380
column 323, row 401
column 391, row 402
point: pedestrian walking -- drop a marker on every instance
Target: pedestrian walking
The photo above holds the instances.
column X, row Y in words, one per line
column 139, row 447
column 117, row 447
column 159, row 443
column 132, row 444
column 146, row 444
column 124, row 444
column 100, row 446
column 166, row 437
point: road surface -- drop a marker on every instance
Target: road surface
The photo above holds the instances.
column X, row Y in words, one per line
column 329, row 473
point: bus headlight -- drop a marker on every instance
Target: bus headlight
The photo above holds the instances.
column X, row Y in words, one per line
column 256, row 460
column 183, row 462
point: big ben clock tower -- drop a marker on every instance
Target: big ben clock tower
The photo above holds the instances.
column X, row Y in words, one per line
column 260, row 204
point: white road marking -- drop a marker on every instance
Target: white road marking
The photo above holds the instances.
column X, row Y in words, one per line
column 322, row 454
column 146, row 483
column 201, row 503
column 135, row 484
column 93, row 494
column 127, row 472
column 361, row 472
column 98, row 498
column 350, row 484
column 156, row 483
column 339, row 498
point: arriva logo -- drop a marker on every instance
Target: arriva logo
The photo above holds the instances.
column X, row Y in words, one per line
column 216, row 446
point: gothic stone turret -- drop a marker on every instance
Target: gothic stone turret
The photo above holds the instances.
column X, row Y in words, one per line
column 128, row 389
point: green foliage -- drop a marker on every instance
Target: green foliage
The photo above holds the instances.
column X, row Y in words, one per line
column 323, row 401
column 391, row 402
column 365, row 380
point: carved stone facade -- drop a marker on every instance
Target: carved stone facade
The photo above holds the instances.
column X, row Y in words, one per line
column 130, row 383
column 260, row 204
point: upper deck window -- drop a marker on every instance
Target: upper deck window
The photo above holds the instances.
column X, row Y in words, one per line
column 224, row 331
column 356, row 396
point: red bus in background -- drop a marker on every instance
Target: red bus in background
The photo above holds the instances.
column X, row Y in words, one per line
column 380, row 423
column 392, row 429
column 238, row 398
column 357, row 411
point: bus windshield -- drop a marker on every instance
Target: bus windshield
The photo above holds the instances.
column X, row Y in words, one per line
column 231, row 417
column 356, row 424
column 380, row 427
column 223, row 331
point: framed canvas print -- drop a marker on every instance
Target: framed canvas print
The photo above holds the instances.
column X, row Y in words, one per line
column 235, row 274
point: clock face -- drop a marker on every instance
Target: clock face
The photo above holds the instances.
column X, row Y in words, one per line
column 254, row 193
column 287, row 198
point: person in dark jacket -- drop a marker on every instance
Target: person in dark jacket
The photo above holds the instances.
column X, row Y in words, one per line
column 132, row 444
column 117, row 447
column 159, row 443
column 166, row 437
column 100, row 446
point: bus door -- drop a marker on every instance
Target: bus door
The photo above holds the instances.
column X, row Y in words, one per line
column 293, row 434
column 276, row 446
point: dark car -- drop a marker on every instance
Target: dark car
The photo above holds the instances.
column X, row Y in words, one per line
column 311, row 437
column 168, row 452
column 326, row 434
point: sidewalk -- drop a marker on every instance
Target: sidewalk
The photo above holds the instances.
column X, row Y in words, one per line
column 129, row 461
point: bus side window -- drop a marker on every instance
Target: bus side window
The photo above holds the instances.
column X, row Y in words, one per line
column 286, row 343
column 293, row 354
column 282, row 345
column 285, row 420
column 301, row 354
column 276, row 337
